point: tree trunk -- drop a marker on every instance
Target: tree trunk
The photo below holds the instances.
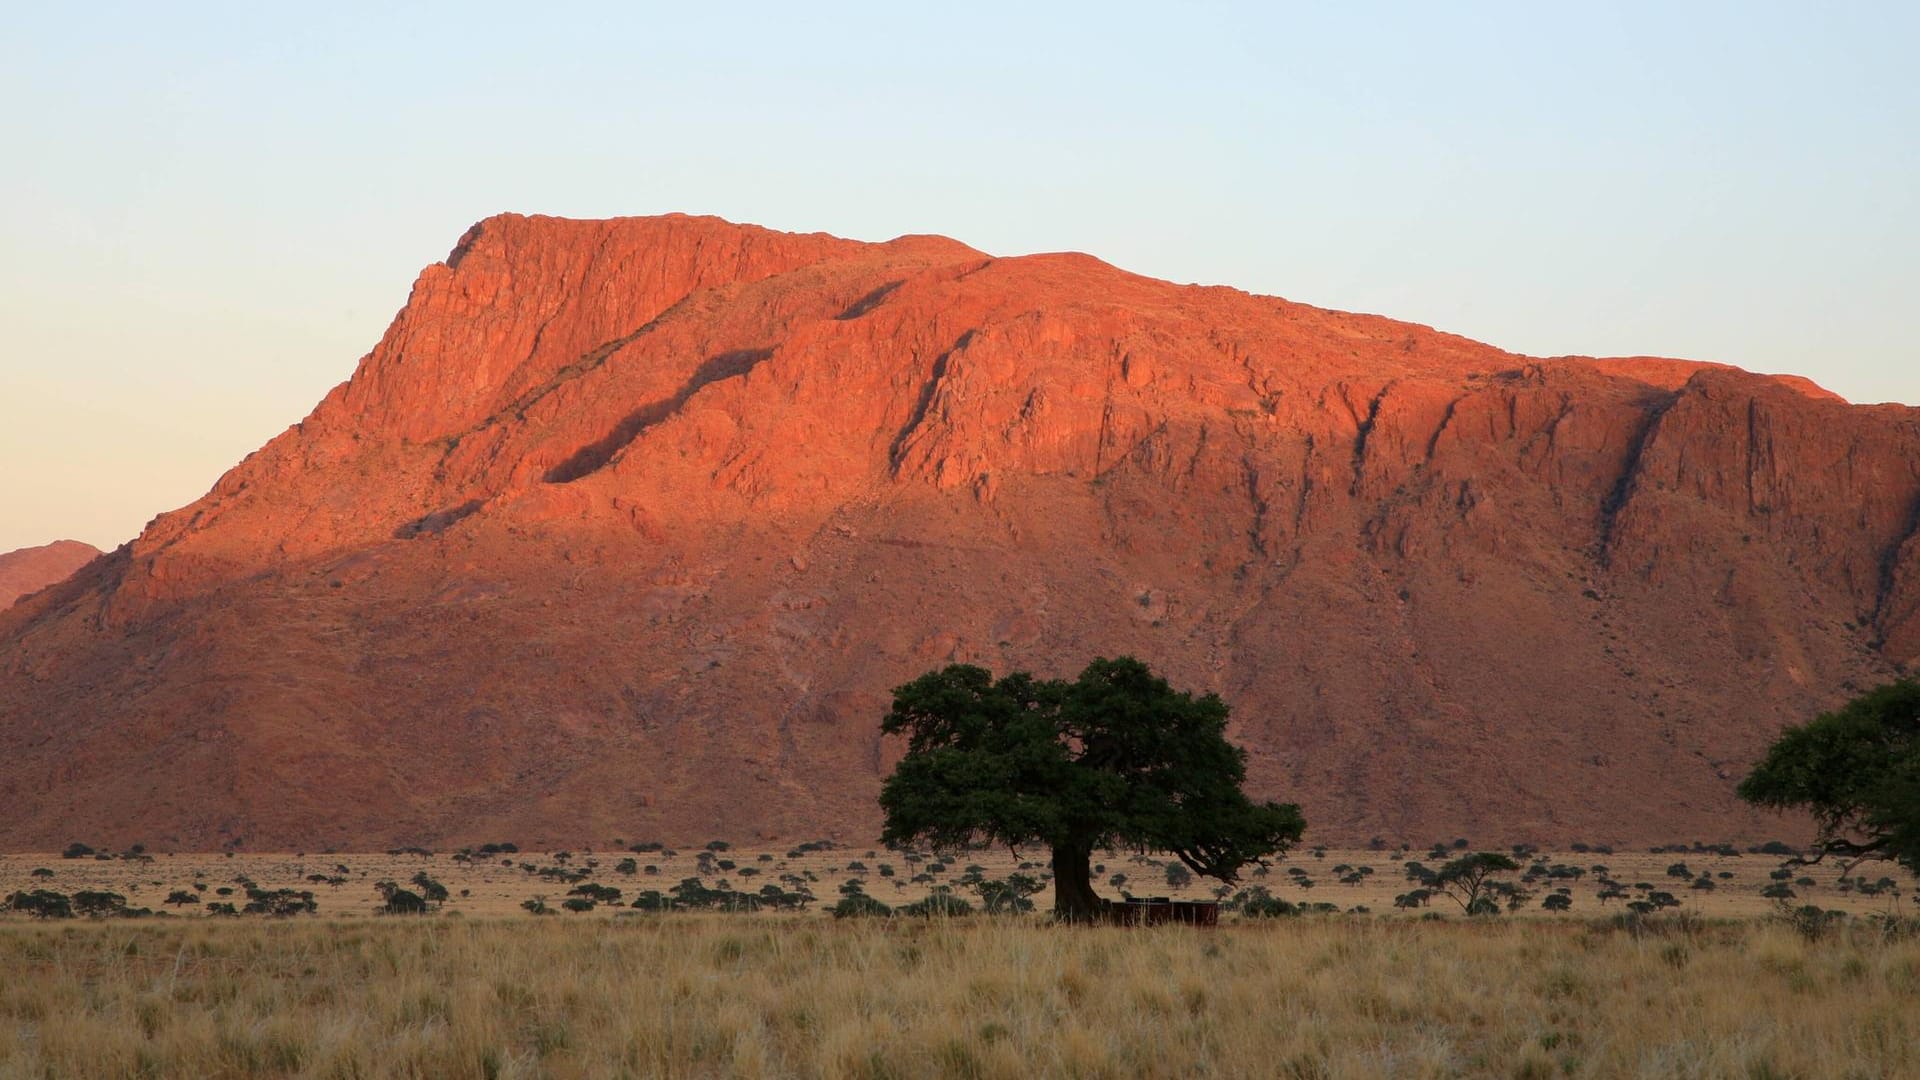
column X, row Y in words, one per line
column 1073, row 897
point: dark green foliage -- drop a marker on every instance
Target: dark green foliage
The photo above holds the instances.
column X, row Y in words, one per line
column 627, row 866
column 398, row 901
column 692, row 894
column 577, row 904
column 536, row 906
column 1115, row 758
column 41, row 904
column 431, row 890
column 279, row 902
column 221, row 907
column 855, row 904
column 1009, row 896
column 605, row 894
column 1857, row 771
column 1256, row 902
column 77, row 850
column 773, row 896
column 1810, row 921
column 1472, row 882
column 940, row 903
column 1557, row 902
column 182, row 897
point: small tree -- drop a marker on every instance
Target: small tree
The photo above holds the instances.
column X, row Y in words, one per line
column 1115, row 758
column 1857, row 770
column 395, row 900
column 1469, row 881
column 856, row 904
column 1008, row 896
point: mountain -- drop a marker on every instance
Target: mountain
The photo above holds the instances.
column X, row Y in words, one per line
column 626, row 528
column 28, row 570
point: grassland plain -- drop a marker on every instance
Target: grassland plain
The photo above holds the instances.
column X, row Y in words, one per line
column 755, row 996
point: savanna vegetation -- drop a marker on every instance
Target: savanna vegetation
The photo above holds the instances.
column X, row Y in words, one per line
column 648, row 961
column 712, row 995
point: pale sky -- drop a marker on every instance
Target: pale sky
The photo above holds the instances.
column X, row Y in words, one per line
column 209, row 213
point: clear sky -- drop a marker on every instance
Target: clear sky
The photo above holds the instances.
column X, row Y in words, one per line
column 208, row 213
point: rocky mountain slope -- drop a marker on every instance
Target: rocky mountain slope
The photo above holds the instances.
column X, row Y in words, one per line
column 30, row 569
column 626, row 528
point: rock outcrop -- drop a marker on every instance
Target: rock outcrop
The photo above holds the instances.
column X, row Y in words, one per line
column 28, row 570
column 626, row 528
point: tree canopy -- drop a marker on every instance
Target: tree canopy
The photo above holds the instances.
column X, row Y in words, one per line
column 1113, row 759
column 1471, row 881
column 1857, row 770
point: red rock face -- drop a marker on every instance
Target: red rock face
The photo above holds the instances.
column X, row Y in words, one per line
column 626, row 528
column 28, row 570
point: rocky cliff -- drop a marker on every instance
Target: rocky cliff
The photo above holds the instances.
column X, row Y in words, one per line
column 626, row 528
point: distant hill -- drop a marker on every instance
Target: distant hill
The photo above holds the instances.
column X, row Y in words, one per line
column 626, row 528
column 31, row 569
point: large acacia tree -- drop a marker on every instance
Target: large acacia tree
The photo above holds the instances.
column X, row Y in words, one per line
column 1113, row 759
column 1857, row 769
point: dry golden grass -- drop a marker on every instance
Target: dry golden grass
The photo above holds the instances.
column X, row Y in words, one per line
column 1344, row 996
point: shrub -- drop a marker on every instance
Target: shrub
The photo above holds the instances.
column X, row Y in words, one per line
column 1009, row 896
column 279, row 903
column 577, row 904
column 398, row 901
column 860, row 906
column 1557, row 902
column 1255, row 902
column 41, row 904
column 77, row 850
column 433, row 891
column 941, row 903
